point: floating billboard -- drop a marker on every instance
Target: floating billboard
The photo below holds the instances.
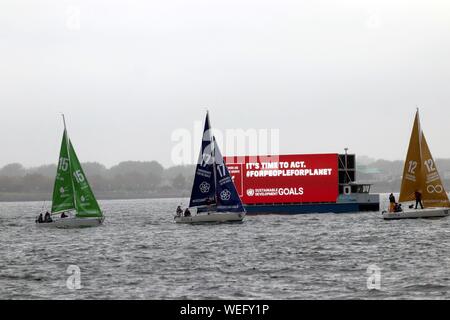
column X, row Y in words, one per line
column 286, row 178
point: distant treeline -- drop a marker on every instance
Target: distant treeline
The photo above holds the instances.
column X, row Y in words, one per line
column 386, row 176
column 134, row 179
column 131, row 179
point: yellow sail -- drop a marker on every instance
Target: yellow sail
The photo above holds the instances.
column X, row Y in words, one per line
column 412, row 173
column 434, row 194
column 420, row 172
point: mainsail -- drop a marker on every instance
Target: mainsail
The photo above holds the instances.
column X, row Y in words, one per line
column 72, row 190
column 204, row 189
column 63, row 199
column 420, row 172
column 227, row 196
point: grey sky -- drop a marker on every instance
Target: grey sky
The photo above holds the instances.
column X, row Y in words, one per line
column 328, row 74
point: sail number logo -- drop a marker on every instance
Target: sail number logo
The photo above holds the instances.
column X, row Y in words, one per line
column 430, row 165
column 221, row 170
column 206, row 159
column 412, row 167
column 63, row 164
column 79, row 176
column 205, row 187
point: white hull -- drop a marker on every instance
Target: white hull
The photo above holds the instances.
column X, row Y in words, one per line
column 211, row 218
column 417, row 214
column 70, row 223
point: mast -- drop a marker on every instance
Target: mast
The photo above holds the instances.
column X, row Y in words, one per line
column 215, row 168
column 64, row 120
column 212, row 141
column 346, row 165
column 420, row 134
column 70, row 162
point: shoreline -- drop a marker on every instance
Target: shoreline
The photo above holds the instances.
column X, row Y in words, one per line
column 11, row 197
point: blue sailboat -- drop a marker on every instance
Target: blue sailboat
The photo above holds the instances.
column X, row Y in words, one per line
column 214, row 194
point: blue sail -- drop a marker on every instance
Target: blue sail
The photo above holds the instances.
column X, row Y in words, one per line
column 226, row 194
column 204, row 189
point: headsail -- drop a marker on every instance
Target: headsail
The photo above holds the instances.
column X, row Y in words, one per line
column 204, row 190
column 63, row 194
column 420, row 172
column 85, row 203
column 434, row 194
column 227, row 196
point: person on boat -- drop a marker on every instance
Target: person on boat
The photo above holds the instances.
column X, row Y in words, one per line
column 40, row 219
column 179, row 211
column 392, row 203
column 418, row 196
column 48, row 218
column 63, row 215
column 398, row 208
column 187, row 213
column 210, row 204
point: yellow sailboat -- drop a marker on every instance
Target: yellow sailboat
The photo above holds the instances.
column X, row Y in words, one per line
column 421, row 182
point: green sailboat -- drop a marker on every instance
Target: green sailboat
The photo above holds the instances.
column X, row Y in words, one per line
column 73, row 199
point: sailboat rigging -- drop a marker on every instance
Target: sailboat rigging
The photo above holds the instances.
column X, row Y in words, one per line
column 213, row 193
column 72, row 192
column 421, row 181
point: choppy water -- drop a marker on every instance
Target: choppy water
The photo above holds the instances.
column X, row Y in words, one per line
column 139, row 253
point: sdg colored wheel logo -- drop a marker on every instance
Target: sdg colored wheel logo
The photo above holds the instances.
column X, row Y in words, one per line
column 205, row 187
column 225, row 195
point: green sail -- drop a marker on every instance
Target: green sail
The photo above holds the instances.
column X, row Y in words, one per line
column 63, row 189
column 85, row 202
